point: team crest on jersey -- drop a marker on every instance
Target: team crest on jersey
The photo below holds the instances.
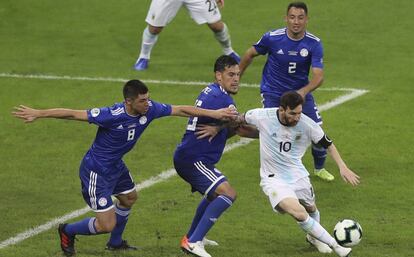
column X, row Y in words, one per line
column 95, row 112
column 102, row 202
column 304, row 52
column 143, row 120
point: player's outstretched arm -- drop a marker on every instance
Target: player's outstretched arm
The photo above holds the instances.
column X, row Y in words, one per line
column 346, row 174
column 191, row 111
column 29, row 114
column 247, row 59
column 246, row 130
column 314, row 83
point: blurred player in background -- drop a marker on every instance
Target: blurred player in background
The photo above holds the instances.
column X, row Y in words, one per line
column 162, row 12
column 102, row 171
column 291, row 52
column 284, row 134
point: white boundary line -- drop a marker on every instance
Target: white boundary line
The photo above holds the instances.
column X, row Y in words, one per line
column 353, row 93
column 109, row 79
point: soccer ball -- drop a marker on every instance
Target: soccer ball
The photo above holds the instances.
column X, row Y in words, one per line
column 347, row 232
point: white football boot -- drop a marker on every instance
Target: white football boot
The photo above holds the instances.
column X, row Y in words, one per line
column 322, row 247
column 197, row 249
column 342, row 251
column 209, row 242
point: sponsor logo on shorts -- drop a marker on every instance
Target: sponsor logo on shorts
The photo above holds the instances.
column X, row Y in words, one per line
column 102, row 202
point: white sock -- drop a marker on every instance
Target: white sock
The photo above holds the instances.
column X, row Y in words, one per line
column 316, row 215
column 223, row 37
column 315, row 229
column 148, row 42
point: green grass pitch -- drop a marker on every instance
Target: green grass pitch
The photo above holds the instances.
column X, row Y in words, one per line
column 368, row 45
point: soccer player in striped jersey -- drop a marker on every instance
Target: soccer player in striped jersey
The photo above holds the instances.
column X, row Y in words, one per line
column 284, row 134
column 162, row 12
column 102, row 171
column 291, row 52
column 197, row 154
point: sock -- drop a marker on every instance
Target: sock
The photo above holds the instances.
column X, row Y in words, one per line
column 210, row 216
column 199, row 213
column 223, row 37
column 122, row 215
column 315, row 229
column 148, row 42
column 83, row 227
column 316, row 215
column 319, row 156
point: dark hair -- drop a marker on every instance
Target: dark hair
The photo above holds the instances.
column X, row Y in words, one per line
column 291, row 99
column 224, row 62
column 133, row 88
column 299, row 5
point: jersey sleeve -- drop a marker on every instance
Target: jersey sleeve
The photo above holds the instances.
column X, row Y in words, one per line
column 100, row 116
column 254, row 116
column 160, row 110
column 316, row 133
column 317, row 56
column 262, row 46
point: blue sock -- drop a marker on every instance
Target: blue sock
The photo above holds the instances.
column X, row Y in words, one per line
column 83, row 227
column 210, row 216
column 319, row 156
column 121, row 221
column 199, row 213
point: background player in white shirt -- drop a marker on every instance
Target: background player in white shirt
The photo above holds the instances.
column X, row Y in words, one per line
column 162, row 12
column 284, row 136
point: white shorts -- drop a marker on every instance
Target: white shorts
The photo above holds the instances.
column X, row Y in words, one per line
column 162, row 12
column 277, row 190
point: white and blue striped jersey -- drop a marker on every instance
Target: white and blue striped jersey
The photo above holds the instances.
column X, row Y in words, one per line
column 282, row 147
column 118, row 132
column 289, row 61
column 191, row 149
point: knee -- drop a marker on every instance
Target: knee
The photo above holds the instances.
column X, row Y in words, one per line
column 217, row 26
column 154, row 30
column 105, row 226
column 232, row 194
column 128, row 201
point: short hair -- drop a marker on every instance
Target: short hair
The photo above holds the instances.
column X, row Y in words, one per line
column 291, row 99
column 133, row 88
column 224, row 62
column 299, row 5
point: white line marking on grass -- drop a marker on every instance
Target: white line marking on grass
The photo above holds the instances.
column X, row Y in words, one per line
column 354, row 93
column 151, row 81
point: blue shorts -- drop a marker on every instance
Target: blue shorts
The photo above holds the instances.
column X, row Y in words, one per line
column 309, row 107
column 97, row 189
column 202, row 177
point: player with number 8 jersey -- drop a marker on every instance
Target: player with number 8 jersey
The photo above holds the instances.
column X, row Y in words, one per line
column 102, row 172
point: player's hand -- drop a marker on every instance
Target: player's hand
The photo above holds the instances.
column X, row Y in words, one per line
column 229, row 113
column 25, row 113
column 302, row 92
column 349, row 176
column 203, row 131
column 220, row 3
